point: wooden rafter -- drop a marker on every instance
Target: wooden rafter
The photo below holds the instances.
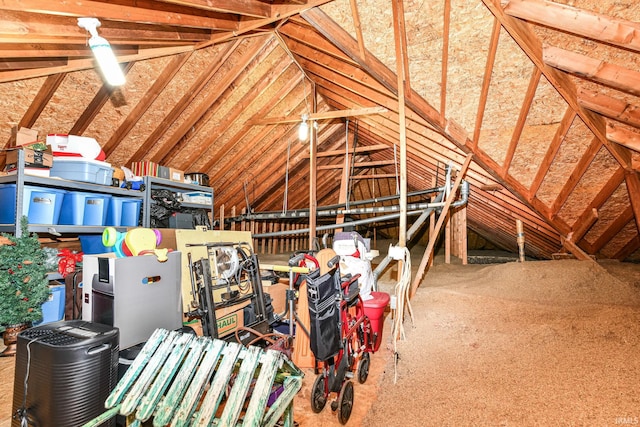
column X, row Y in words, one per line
column 169, row 71
column 613, row 228
column 633, row 188
column 552, row 150
column 623, row 136
column 596, row 70
column 522, row 119
column 358, row 27
column 94, row 107
column 576, row 174
column 531, row 46
column 595, row 26
column 116, row 12
column 446, row 19
column 486, row 81
column 199, row 83
column 610, row 107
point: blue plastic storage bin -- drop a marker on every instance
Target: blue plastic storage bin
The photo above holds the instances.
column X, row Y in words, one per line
column 72, row 212
column 53, row 308
column 95, row 209
column 91, row 244
column 7, row 200
column 123, row 211
column 40, row 204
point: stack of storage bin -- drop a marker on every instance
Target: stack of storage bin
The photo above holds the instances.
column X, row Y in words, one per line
column 41, row 205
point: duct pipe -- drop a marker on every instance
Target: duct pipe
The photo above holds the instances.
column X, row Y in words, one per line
column 464, row 194
column 322, row 211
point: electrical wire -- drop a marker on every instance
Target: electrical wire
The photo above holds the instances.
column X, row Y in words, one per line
column 402, row 305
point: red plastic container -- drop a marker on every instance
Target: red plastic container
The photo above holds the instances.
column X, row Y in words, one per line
column 374, row 310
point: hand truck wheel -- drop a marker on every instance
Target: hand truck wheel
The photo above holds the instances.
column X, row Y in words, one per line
column 345, row 402
column 318, row 394
column 363, row 367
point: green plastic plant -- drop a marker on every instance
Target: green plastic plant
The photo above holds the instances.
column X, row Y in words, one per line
column 23, row 278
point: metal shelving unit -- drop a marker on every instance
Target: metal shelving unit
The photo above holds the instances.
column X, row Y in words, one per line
column 153, row 183
column 20, row 179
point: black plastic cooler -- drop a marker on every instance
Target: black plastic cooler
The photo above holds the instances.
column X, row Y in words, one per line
column 70, row 368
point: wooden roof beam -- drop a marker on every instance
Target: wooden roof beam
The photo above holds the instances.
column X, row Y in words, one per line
column 486, row 81
column 595, row 26
column 610, row 107
column 525, row 37
column 116, row 12
column 614, row 228
column 623, row 136
column 552, row 150
column 94, row 107
column 633, row 188
column 161, row 82
column 576, row 174
column 522, row 119
column 199, row 83
column 596, row 70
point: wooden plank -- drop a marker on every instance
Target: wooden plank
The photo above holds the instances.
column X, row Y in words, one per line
column 254, row 8
column 522, row 119
column 209, row 406
column 152, row 367
column 446, row 26
column 200, row 115
column 269, row 364
column 433, row 238
column 356, row 23
column 240, row 388
column 575, row 176
column 614, row 228
column 628, row 249
column 625, row 137
column 596, row 70
column 148, row 403
column 583, row 225
column 524, row 36
column 610, row 107
column 194, row 90
column 633, row 188
column 136, row 368
column 595, row 26
column 95, row 106
column 358, row 165
column 403, row 83
column 486, row 81
column 189, row 402
column 291, row 386
column 146, row 101
column 118, row 12
column 165, row 410
column 556, row 142
column 576, row 250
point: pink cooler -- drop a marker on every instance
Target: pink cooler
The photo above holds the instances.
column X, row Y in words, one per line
column 374, row 310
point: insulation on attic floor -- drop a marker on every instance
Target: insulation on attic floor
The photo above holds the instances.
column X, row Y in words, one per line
column 534, row 343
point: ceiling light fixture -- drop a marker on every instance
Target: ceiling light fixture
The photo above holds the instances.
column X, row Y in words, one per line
column 103, row 53
column 303, row 130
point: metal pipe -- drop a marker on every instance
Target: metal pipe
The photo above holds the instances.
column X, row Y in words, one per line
column 304, row 213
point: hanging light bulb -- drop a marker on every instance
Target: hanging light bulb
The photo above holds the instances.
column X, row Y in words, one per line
column 303, row 130
column 103, row 53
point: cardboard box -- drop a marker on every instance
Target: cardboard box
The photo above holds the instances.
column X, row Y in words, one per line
column 32, row 158
column 176, row 175
column 163, row 172
column 278, row 293
column 229, row 318
column 25, row 136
